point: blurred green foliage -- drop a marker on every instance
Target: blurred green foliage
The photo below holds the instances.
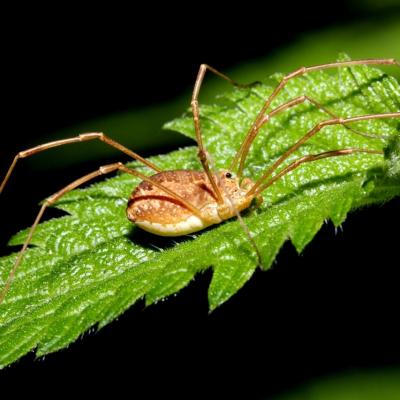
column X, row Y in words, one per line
column 368, row 385
column 141, row 129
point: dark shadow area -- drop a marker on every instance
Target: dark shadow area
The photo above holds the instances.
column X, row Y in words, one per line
column 148, row 240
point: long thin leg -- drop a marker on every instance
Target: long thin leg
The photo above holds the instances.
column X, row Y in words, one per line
column 285, row 106
column 302, row 99
column 252, row 133
column 310, row 158
column 310, row 134
column 196, row 119
column 81, row 138
column 52, row 199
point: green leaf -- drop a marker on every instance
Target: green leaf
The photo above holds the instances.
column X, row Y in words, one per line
column 92, row 264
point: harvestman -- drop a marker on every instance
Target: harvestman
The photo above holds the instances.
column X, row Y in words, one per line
column 175, row 203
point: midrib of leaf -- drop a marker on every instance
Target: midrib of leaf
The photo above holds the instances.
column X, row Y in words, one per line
column 92, row 265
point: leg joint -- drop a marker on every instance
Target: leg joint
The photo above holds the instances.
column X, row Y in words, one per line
column 293, row 74
column 50, row 200
column 91, row 135
column 109, row 168
column 22, row 154
column 202, row 155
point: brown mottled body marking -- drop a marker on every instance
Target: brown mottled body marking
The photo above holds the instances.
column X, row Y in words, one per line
column 153, row 210
column 149, row 203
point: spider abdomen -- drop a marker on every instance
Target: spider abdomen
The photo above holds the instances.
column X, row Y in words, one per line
column 155, row 211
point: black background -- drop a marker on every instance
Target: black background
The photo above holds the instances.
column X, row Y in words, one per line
column 333, row 308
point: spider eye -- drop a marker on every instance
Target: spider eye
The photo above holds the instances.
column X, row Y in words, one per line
column 228, row 175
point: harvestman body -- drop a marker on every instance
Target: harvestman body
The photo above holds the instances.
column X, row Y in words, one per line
column 149, row 208
column 174, row 203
